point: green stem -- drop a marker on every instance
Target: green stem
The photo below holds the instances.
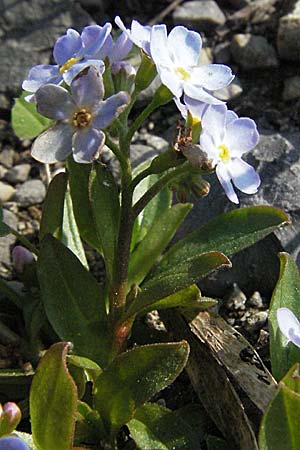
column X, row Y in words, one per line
column 116, row 150
column 11, row 294
column 145, row 173
column 140, row 119
column 156, row 187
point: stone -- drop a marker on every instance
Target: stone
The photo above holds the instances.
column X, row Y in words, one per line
column 222, row 53
column 253, row 52
column 6, row 192
column 3, row 171
column 201, row 15
column 29, row 32
column 18, row 174
column 229, row 92
column 7, row 157
column 6, row 242
column 30, row 193
column 288, row 37
column 255, row 300
column 291, row 89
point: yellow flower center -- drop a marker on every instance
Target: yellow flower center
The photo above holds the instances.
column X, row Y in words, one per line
column 184, row 75
column 66, row 66
column 82, row 118
column 224, row 153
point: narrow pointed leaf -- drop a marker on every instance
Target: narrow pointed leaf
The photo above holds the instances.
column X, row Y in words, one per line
column 180, row 276
column 53, row 207
column 286, row 294
column 229, row 233
column 73, row 300
column 105, row 204
column 155, row 426
column 79, row 187
column 53, row 401
column 280, row 425
column 70, row 234
column 4, row 229
column 155, row 241
column 134, row 377
column 27, row 123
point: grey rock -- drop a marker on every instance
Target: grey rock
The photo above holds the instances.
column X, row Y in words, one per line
column 201, row 15
column 256, row 321
column 28, row 32
column 291, row 90
column 236, row 299
column 18, row 174
column 3, row 172
column 222, row 53
column 229, row 92
column 30, row 193
column 6, row 192
column 288, row 36
column 253, row 52
column 255, row 300
column 6, row 242
column 7, row 157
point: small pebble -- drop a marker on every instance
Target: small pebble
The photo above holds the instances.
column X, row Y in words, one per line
column 30, row 193
column 256, row 321
column 6, row 192
column 236, row 299
column 18, row 174
column 255, row 300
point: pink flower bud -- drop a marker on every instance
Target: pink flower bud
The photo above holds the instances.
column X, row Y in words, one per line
column 20, row 257
column 10, row 416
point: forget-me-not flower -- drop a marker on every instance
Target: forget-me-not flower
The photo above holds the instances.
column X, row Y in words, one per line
column 138, row 34
column 80, row 117
column 289, row 325
column 116, row 52
column 225, row 138
column 12, row 443
column 176, row 57
column 192, row 106
column 72, row 53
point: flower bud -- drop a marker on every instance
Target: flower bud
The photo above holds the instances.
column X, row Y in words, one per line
column 20, row 257
column 145, row 74
column 10, row 416
column 200, row 187
column 123, row 75
column 197, row 157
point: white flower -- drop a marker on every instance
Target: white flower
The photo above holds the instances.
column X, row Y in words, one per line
column 289, row 325
column 176, row 57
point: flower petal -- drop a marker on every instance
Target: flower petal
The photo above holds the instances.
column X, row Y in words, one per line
column 182, row 107
column 87, row 89
column 289, row 325
column 54, row 102
column 70, row 74
column 241, row 136
column 67, row 46
column 94, row 37
column 106, row 49
column 140, row 35
column 212, row 76
column 121, row 48
column 87, row 144
column 159, row 47
column 196, row 107
column 169, row 79
column 225, row 180
column 198, row 93
column 41, row 74
column 243, row 176
column 109, row 109
column 230, row 117
column 184, row 46
column 12, row 443
column 53, row 145
column 208, row 145
column 213, row 122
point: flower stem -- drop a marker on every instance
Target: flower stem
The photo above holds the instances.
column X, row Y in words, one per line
column 140, row 119
column 156, row 187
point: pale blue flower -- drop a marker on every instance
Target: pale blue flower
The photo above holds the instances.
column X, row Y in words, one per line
column 194, row 107
column 116, row 51
column 12, row 443
column 225, row 138
column 138, row 34
column 72, row 53
column 176, row 57
column 80, row 117
column 289, row 325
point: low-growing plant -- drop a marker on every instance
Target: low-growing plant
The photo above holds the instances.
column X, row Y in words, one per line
column 92, row 386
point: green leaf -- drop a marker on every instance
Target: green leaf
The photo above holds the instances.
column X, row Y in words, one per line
column 154, row 426
column 134, row 377
column 27, row 123
column 4, row 229
column 73, row 300
column 280, row 425
column 105, row 204
column 90, row 367
column 286, row 294
column 156, row 207
column 79, row 175
column 53, row 401
column 180, row 276
column 229, row 233
column 53, row 207
column 70, row 234
column 155, row 241
column 188, row 298
column 216, row 443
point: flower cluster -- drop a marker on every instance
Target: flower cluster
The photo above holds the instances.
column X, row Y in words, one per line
column 81, row 111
